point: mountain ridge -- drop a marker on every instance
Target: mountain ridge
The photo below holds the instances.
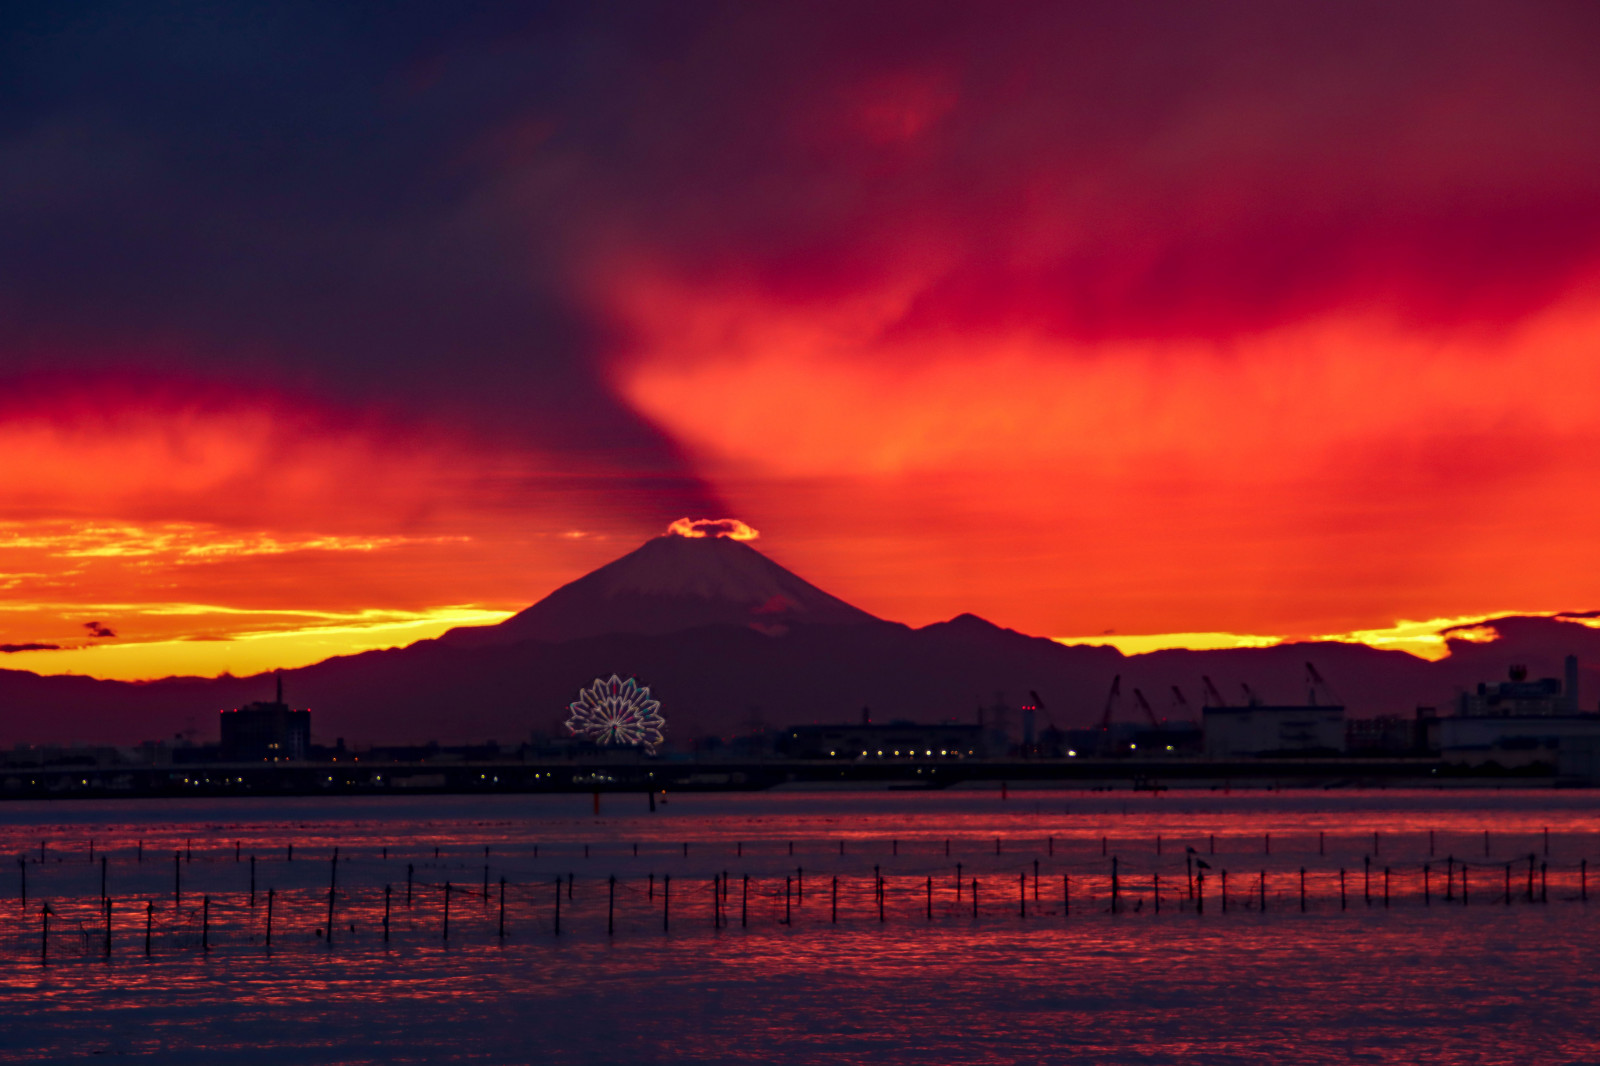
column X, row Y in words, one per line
column 821, row 660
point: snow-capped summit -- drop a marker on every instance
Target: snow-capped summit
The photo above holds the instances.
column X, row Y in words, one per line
column 672, row 583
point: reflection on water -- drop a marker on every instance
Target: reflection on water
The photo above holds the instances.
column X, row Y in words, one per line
column 799, row 955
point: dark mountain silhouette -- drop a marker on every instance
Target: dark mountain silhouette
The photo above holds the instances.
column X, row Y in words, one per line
column 669, row 584
column 709, row 640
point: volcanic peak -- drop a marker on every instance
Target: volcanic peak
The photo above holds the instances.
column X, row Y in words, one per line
column 668, row 584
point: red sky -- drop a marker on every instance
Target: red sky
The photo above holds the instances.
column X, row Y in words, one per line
column 1096, row 320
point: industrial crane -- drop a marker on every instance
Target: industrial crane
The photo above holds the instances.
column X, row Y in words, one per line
column 1144, row 705
column 1113, row 701
column 1250, row 697
column 1314, row 682
column 1213, row 697
column 1180, row 705
column 1038, row 705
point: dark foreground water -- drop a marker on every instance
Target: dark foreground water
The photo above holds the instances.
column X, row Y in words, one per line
column 773, row 970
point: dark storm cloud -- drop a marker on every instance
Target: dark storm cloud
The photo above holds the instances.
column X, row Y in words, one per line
column 420, row 203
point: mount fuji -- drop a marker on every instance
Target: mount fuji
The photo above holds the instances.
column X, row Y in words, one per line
column 669, row 584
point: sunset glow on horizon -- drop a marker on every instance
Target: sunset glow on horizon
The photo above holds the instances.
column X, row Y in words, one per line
column 1182, row 327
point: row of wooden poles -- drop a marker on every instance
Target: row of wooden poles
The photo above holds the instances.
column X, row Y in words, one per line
column 187, row 852
column 1120, row 886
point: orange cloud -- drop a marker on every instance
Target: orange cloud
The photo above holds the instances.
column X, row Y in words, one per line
column 1326, row 476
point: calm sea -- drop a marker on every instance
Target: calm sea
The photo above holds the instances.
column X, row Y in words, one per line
column 806, row 927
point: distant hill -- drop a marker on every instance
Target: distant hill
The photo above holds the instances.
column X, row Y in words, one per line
column 727, row 639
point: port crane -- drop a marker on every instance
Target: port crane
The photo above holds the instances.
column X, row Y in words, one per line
column 1144, row 705
column 1113, row 701
column 1180, row 706
column 1314, row 682
column 1213, row 697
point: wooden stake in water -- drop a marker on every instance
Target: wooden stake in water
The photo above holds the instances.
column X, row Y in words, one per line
column 106, row 903
column 787, row 919
column 1066, row 895
column 1155, row 890
column 177, row 881
column 1302, row 889
column 205, row 923
column 1114, row 885
column 22, row 869
column 503, row 907
column 270, row 894
column 1022, row 895
column 974, row 897
column 447, row 908
column 558, row 906
column 252, row 882
column 744, row 901
column 386, row 895
column 666, row 901
column 1202, row 873
column 835, row 914
column 1263, row 891
column 1366, row 879
column 149, row 925
column 1508, row 884
column 333, row 884
column 44, row 940
column 958, row 882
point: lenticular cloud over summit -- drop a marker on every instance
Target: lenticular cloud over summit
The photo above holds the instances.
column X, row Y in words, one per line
column 731, row 528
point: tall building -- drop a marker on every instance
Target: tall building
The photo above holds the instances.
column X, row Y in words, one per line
column 266, row 732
